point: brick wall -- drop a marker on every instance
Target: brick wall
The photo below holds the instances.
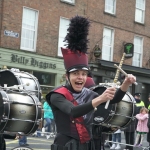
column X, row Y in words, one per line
column 48, row 24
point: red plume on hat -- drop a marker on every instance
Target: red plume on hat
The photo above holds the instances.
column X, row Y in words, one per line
column 75, row 55
column 89, row 81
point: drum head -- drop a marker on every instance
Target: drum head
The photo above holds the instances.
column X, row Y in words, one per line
column 102, row 114
column 116, row 115
column 7, row 77
column 28, row 81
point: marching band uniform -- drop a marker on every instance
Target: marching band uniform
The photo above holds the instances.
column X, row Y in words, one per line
column 65, row 119
column 2, row 143
column 73, row 105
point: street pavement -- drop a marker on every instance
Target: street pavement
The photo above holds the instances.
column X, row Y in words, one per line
column 41, row 143
column 36, row 143
column 145, row 144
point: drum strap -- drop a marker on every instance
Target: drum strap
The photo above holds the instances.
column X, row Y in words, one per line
column 79, row 122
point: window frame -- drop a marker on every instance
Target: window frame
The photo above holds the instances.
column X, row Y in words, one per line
column 35, row 30
column 140, row 53
column 59, row 53
column 111, row 45
column 114, row 7
column 143, row 12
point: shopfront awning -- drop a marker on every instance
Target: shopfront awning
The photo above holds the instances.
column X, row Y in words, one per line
column 128, row 68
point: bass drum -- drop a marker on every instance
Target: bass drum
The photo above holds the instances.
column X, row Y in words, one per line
column 21, row 112
column 118, row 115
column 15, row 77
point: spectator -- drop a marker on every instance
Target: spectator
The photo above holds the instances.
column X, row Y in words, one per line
column 139, row 102
column 141, row 126
column 139, row 105
column 149, row 102
column 116, row 137
column 148, row 134
column 22, row 139
column 48, row 116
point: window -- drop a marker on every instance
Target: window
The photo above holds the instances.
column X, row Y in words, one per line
column 107, row 47
column 69, row 1
column 110, row 6
column 45, row 78
column 63, row 26
column 29, row 29
column 138, row 49
column 140, row 11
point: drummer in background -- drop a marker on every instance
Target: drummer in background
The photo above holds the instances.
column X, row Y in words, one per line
column 73, row 104
column 98, row 137
column 129, row 133
column 2, row 143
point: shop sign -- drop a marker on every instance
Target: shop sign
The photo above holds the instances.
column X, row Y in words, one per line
column 129, row 50
column 31, row 61
column 11, row 33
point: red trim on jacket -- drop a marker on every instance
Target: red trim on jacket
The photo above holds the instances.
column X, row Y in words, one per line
column 82, row 131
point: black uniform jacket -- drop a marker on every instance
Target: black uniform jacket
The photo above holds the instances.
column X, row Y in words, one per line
column 64, row 110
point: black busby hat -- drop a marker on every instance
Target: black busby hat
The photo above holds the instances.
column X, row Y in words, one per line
column 75, row 55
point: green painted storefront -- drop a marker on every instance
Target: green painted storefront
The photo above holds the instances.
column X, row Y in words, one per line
column 49, row 69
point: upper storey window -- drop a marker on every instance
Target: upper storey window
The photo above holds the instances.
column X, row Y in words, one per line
column 138, row 50
column 29, row 29
column 63, row 26
column 110, row 6
column 140, row 11
column 108, row 42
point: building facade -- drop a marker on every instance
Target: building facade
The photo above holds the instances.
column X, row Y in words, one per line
column 32, row 33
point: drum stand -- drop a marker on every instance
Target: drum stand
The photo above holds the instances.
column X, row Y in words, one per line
column 143, row 148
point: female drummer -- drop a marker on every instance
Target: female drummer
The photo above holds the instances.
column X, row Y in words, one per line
column 73, row 104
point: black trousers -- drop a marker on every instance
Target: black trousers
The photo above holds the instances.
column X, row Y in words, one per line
column 2, row 143
column 63, row 142
column 129, row 137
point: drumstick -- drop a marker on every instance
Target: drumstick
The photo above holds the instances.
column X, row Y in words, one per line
column 107, row 103
column 124, row 73
column 116, row 77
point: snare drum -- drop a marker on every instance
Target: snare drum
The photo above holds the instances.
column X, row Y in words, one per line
column 117, row 115
column 22, row 112
column 15, row 77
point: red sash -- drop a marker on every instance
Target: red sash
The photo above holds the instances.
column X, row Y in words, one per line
column 79, row 122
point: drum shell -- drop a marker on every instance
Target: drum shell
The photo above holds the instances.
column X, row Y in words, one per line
column 22, row 112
